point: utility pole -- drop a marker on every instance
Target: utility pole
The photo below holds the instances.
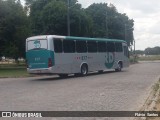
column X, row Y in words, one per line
column 68, row 18
column 125, row 32
column 106, row 25
column 134, row 53
column 134, row 46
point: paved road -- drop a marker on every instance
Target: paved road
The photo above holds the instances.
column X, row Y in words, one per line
column 111, row 91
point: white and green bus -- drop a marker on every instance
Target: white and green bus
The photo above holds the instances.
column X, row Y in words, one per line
column 65, row 55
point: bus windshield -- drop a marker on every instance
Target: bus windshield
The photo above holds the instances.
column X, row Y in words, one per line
column 37, row 44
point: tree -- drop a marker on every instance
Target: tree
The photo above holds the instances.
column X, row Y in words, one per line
column 108, row 23
column 141, row 52
column 55, row 23
column 50, row 17
column 152, row 51
column 14, row 28
column 98, row 20
column 98, row 13
column 81, row 23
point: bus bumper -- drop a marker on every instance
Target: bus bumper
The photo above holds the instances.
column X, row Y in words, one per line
column 40, row 71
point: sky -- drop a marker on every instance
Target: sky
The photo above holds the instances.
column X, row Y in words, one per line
column 146, row 16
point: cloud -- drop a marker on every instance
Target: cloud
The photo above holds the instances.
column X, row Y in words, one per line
column 144, row 6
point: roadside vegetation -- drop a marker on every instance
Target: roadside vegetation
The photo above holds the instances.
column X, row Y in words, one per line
column 149, row 54
column 149, row 58
column 152, row 103
column 13, row 70
column 133, row 59
column 156, row 89
column 136, row 58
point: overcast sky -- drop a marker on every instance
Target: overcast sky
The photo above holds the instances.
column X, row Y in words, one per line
column 146, row 14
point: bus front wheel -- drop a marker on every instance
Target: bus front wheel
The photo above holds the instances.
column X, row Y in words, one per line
column 84, row 70
column 119, row 68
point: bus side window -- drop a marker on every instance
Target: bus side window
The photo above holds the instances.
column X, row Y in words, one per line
column 57, row 45
column 102, row 47
column 69, row 46
column 92, row 46
column 81, row 46
column 118, row 47
column 110, row 47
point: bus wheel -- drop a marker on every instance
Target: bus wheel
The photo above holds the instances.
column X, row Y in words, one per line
column 63, row 75
column 84, row 70
column 119, row 68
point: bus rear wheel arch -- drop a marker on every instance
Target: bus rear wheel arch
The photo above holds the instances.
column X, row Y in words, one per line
column 84, row 69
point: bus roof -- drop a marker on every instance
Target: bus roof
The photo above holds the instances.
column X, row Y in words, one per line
column 73, row 38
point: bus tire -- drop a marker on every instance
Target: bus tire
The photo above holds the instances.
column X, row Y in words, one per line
column 63, row 75
column 84, row 70
column 119, row 68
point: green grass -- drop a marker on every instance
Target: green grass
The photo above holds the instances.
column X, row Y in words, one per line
column 149, row 58
column 133, row 60
column 13, row 70
column 156, row 86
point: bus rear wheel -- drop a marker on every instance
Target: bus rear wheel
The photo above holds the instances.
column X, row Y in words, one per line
column 84, row 70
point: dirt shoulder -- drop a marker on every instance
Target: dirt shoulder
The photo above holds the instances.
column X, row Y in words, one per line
column 153, row 102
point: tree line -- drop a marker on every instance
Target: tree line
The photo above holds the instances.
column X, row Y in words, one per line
column 39, row 17
column 149, row 51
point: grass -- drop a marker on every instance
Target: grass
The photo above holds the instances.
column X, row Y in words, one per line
column 156, row 87
column 133, row 60
column 13, row 70
column 149, row 58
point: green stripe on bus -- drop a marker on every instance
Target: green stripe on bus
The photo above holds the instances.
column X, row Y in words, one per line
column 94, row 39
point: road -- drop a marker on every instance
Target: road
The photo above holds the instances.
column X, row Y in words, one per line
column 110, row 91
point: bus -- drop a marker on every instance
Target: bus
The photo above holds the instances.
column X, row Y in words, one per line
column 64, row 55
